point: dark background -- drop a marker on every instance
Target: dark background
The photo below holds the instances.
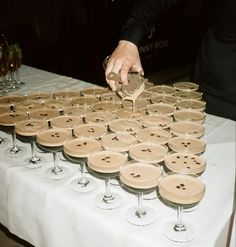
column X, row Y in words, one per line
column 72, row 37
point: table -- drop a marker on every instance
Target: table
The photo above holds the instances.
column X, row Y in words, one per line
column 48, row 214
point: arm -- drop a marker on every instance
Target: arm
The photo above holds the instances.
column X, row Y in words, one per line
column 126, row 57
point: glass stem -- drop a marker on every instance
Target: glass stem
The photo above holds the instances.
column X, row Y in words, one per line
column 33, row 154
column 179, row 226
column 14, row 146
column 56, row 169
column 140, row 212
column 108, row 197
column 83, row 180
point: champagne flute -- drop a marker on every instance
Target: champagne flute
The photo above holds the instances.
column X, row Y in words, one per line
column 180, row 191
column 140, row 178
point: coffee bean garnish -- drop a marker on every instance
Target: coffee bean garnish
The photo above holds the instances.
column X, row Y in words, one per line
column 146, row 150
column 115, row 138
column 29, row 124
column 134, row 175
column 55, row 135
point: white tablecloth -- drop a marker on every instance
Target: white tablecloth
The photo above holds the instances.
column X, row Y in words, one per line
column 49, row 214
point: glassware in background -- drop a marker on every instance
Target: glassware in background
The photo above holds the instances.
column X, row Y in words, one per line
column 3, row 66
column 180, row 191
column 18, row 62
column 140, row 178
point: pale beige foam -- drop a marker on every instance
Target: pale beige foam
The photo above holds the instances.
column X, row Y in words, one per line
column 160, row 108
column 106, row 161
column 81, row 148
column 4, row 108
column 11, row 118
column 57, row 104
column 44, row 113
column 39, row 96
column 188, row 95
column 91, row 91
column 153, row 135
column 125, row 125
column 186, row 86
column 102, row 117
column 64, row 94
column 91, row 131
column 185, row 163
column 187, row 128
column 130, row 114
column 160, row 121
column 11, row 99
column 140, row 175
column 191, row 104
column 139, row 103
column 189, row 145
column 148, row 152
column 162, row 89
column 76, row 110
column 27, row 105
column 181, row 189
column 164, row 98
column 30, row 127
column 106, row 106
column 67, row 122
column 190, row 115
column 53, row 137
column 118, row 141
column 85, row 101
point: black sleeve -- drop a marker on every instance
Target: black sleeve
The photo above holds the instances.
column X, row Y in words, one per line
column 142, row 17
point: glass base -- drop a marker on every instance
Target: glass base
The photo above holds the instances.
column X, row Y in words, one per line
column 60, row 173
column 179, row 236
column 78, row 186
column 15, row 152
column 108, row 203
column 34, row 162
column 146, row 217
column 4, row 142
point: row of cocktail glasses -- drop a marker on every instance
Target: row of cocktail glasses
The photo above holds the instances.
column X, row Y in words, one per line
column 137, row 177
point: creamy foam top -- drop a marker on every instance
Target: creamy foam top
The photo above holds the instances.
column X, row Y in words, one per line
column 106, row 161
column 91, row 131
column 118, row 141
column 140, row 175
column 30, row 127
column 66, row 121
column 181, row 189
column 44, row 113
column 53, row 137
column 11, row 118
column 148, row 152
column 81, row 148
column 185, row 163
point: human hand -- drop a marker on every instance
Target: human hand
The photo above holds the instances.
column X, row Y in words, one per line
column 125, row 58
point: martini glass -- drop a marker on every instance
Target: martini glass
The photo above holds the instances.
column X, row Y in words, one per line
column 27, row 131
column 77, row 151
column 7, row 123
column 106, row 165
column 52, row 140
column 140, row 178
column 180, row 191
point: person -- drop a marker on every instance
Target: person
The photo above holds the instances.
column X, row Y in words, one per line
column 215, row 67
